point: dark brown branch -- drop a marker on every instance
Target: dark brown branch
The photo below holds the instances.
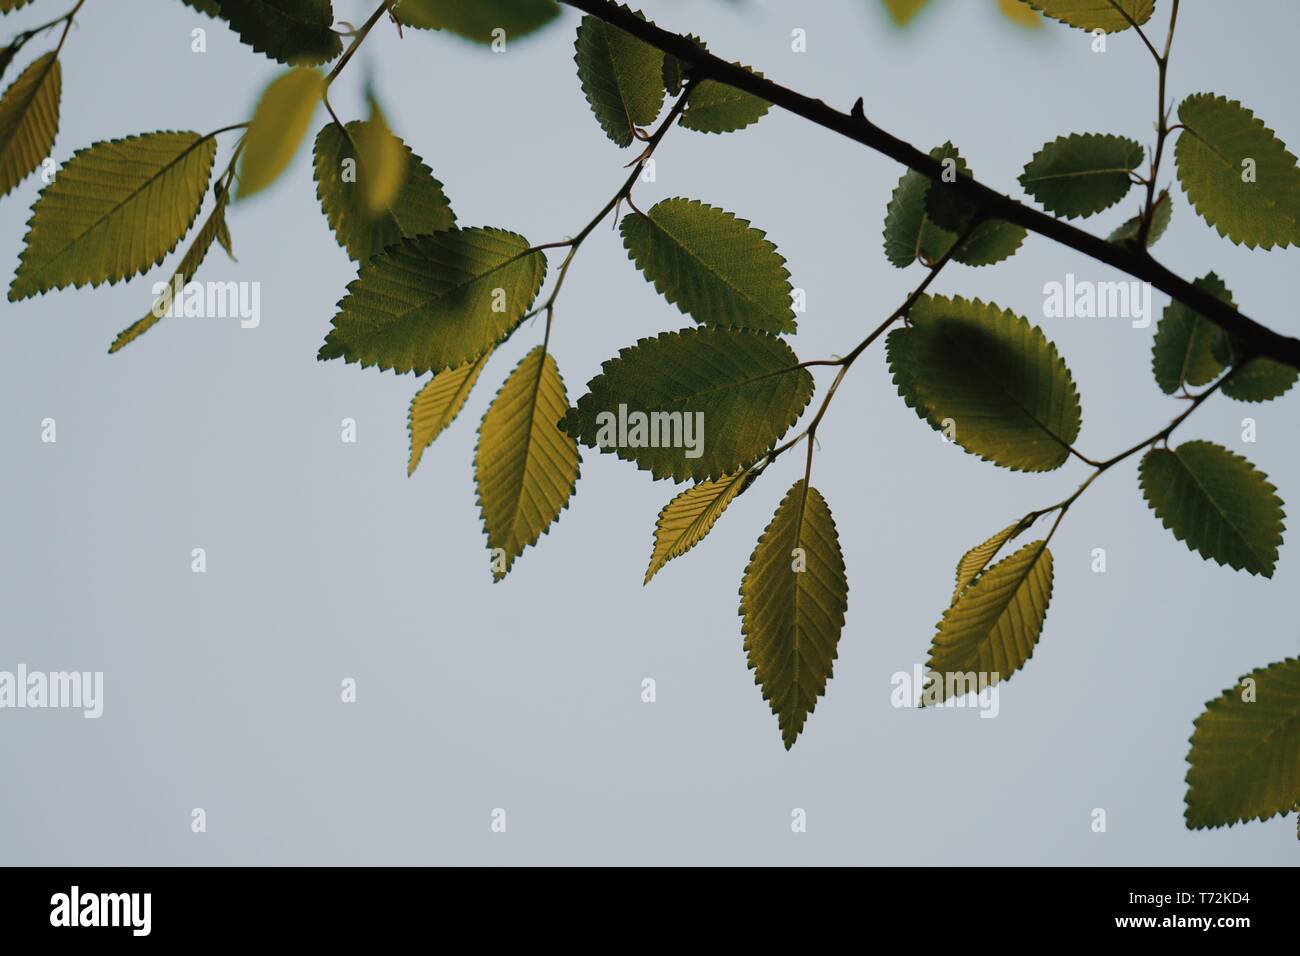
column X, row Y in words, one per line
column 1254, row 339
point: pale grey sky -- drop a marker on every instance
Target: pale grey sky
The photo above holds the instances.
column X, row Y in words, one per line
column 326, row 562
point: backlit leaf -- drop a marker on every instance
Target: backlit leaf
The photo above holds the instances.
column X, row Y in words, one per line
column 793, row 598
column 974, row 561
column 1260, row 380
column 279, row 124
column 902, row 11
column 478, row 19
column 213, row 229
column 1100, row 15
column 436, row 405
column 911, row 233
column 1161, row 213
column 718, row 108
column 1082, row 174
column 1217, row 503
column 435, row 302
column 420, row 207
column 29, row 120
column 1245, row 754
column 690, row 516
column 621, row 76
column 714, row 267
column 991, row 629
column 524, row 466
column 732, row 392
column 116, row 209
column 1183, row 351
column 298, row 32
column 1236, row 173
column 1020, row 13
column 996, row 380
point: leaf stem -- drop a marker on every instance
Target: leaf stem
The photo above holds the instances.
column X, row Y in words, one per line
column 624, row 192
column 1162, row 128
column 1100, row 468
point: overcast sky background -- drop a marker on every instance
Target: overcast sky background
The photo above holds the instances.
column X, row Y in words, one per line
column 326, row 562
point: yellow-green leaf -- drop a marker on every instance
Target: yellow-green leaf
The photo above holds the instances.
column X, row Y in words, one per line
column 902, row 11
column 991, row 629
column 477, row 20
column 213, row 230
column 436, row 405
column 420, row 206
column 116, row 209
column 699, row 403
column 688, row 518
column 29, row 120
column 279, row 124
column 621, row 76
column 988, row 378
column 1103, row 15
column 436, row 301
column 1019, row 13
column 716, row 268
column 974, row 561
column 718, row 108
column 1161, row 213
column 1083, row 173
column 1237, row 174
column 793, row 598
column 525, row 467
column 1217, row 503
column 1244, row 762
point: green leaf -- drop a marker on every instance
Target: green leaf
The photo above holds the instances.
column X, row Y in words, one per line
column 696, row 404
column 718, row 108
column 714, row 267
column 1183, row 351
column 1082, row 174
column 381, row 162
column 1217, row 503
column 902, row 11
column 476, row 21
column 793, row 598
column 690, row 516
column 436, row 302
column 29, row 120
column 420, row 207
column 1020, row 14
column 524, row 466
column 991, row 629
column 1237, row 174
column 1260, row 380
column 436, row 405
column 1161, row 213
column 213, row 229
column 211, row 7
column 675, row 70
column 279, row 124
column 1100, row 15
column 974, row 561
column 1245, row 754
column 911, row 234
column 116, row 209
column 7, row 6
column 995, row 377
column 621, row 76
column 297, row 32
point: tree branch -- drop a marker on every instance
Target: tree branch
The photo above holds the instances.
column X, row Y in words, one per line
column 1255, row 339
